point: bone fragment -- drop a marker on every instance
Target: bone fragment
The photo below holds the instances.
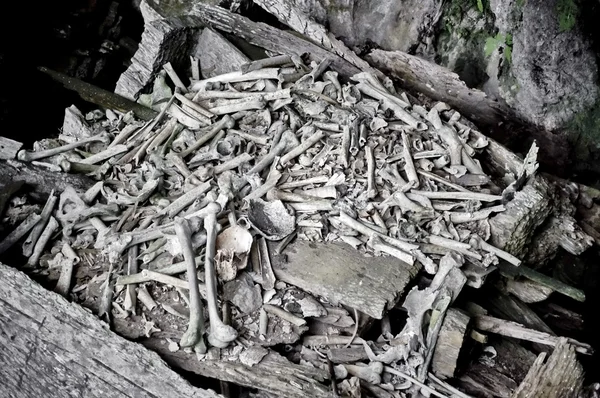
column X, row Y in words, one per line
column 459, row 195
column 309, row 142
column 363, row 229
column 186, row 199
column 19, row 232
column 377, row 244
column 234, row 77
column 145, row 298
column 442, row 180
column 283, row 314
column 174, row 78
column 319, row 340
column 36, row 231
column 277, row 60
column 371, row 186
column 370, row 373
column 129, row 303
column 64, row 281
column 38, row 249
column 301, row 183
column 463, row 248
column 409, row 166
column 479, row 243
column 226, row 122
column 483, row 214
column 27, row 156
column 204, row 115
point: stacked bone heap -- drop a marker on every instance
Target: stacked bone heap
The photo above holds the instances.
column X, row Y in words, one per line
column 272, row 154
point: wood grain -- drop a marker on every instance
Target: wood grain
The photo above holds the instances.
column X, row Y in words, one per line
column 338, row 272
column 52, row 348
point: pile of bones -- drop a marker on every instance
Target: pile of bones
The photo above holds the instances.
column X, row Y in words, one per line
column 268, row 154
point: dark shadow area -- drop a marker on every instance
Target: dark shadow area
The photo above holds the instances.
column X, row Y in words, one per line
column 91, row 40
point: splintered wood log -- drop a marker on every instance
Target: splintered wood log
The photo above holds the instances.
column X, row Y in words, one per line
column 52, row 348
column 163, row 40
column 510, row 271
column 336, row 271
column 449, row 344
column 40, row 181
column 562, row 229
column 217, row 55
column 268, row 37
column 561, row 376
column 103, row 98
column 9, row 148
column 289, row 14
column 512, row 329
column 537, row 221
column 513, row 229
column 511, row 308
column 274, row 374
column 441, row 84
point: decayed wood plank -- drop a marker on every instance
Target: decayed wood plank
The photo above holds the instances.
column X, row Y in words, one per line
column 512, row 329
column 98, row 96
column 536, row 214
column 217, row 55
column 287, row 13
column 440, row 84
column 560, row 377
column 274, row 374
column 268, row 37
column 511, row 308
column 52, row 348
column 513, row 229
column 450, row 341
column 9, row 148
column 40, row 180
column 163, row 40
column 332, row 270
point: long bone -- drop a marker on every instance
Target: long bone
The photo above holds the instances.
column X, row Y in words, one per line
column 28, row 156
column 220, row 335
column 193, row 335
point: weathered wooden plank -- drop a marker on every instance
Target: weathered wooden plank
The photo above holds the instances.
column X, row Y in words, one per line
column 217, row 55
column 40, row 180
column 441, row 84
column 336, row 271
column 52, row 348
column 287, row 13
column 163, row 40
column 98, row 96
column 513, row 229
column 450, row 341
column 274, row 374
column 9, row 148
column 560, row 376
column 268, row 37
column 512, row 329
column 511, row 308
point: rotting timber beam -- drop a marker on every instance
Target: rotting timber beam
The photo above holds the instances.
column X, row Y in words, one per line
column 52, row 348
column 268, row 37
column 41, row 181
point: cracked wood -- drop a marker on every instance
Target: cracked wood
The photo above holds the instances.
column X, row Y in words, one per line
column 52, row 348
